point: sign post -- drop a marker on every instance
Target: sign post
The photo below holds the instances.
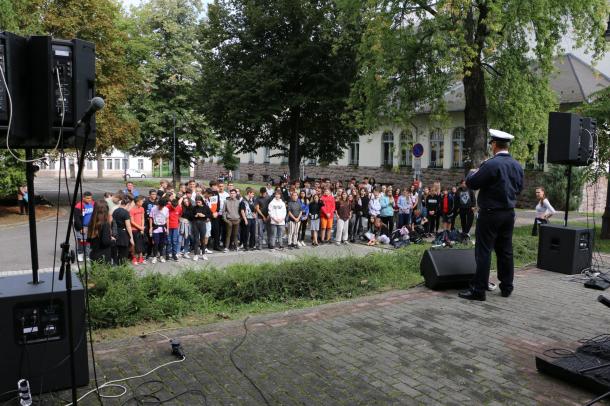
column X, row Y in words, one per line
column 418, row 152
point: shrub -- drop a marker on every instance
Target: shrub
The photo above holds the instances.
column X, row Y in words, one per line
column 555, row 183
column 120, row 298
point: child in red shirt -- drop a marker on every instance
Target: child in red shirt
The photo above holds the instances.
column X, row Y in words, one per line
column 136, row 215
column 173, row 227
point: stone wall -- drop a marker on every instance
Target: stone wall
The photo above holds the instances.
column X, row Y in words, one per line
column 594, row 197
column 402, row 177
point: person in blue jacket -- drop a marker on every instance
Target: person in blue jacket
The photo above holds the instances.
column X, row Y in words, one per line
column 499, row 181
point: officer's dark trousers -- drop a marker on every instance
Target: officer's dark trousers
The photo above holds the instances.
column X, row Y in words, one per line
column 494, row 231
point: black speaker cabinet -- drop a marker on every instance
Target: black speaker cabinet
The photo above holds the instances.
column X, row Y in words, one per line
column 564, row 138
column 13, row 59
column 448, row 268
column 34, row 333
column 565, row 250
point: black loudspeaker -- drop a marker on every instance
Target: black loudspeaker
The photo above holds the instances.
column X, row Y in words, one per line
column 34, row 333
column 564, row 138
column 61, row 69
column 448, row 268
column 13, row 59
column 567, row 250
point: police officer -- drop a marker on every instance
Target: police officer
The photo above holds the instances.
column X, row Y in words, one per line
column 499, row 181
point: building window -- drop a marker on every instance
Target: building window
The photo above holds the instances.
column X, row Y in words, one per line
column 109, row 164
column 312, row 161
column 266, row 155
column 284, row 158
column 89, row 164
column 140, row 164
column 406, row 148
column 457, row 142
column 354, row 153
column 117, row 163
column 251, row 157
column 388, row 148
column 436, row 149
column 125, row 163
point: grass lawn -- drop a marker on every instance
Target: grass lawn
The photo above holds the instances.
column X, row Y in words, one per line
column 124, row 304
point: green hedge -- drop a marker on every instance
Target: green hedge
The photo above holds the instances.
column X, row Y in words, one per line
column 122, row 298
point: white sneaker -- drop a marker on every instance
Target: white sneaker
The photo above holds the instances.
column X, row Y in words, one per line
column 154, row 260
column 196, row 258
column 204, row 257
column 207, row 251
column 80, row 257
column 186, row 255
column 162, row 259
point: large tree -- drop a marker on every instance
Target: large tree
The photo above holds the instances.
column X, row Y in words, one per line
column 501, row 51
column 167, row 33
column 278, row 74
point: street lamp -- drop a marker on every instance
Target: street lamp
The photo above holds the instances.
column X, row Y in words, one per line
column 174, row 175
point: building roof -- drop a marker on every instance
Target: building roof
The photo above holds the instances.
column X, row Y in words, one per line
column 574, row 81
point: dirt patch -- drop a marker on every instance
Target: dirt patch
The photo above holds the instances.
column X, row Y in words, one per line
column 9, row 215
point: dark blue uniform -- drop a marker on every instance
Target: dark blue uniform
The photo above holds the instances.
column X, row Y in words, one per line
column 499, row 180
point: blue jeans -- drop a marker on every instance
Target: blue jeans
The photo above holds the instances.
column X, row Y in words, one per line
column 404, row 219
column 185, row 243
column 276, row 235
column 173, row 240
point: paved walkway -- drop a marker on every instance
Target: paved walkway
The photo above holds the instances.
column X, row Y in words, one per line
column 403, row 347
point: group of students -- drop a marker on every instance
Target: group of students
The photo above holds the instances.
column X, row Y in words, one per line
column 193, row 221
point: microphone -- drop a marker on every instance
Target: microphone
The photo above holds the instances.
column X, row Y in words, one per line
column 97, row 103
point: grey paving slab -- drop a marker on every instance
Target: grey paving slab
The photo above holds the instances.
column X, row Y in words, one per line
column 415, row 347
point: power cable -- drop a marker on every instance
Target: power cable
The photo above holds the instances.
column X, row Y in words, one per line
column 241, row 371
column 10, row 118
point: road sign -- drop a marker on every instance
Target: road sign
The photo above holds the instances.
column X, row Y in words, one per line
column 418, row 150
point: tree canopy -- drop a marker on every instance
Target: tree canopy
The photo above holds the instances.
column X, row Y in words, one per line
column 166, row 45
column 502, row 52
column 278, row 74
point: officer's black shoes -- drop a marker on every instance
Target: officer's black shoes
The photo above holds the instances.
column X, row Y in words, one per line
column 472, row 295
column 506, row 292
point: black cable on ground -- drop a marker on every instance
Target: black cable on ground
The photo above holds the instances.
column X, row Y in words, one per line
column 140, row 399
column 235, row 348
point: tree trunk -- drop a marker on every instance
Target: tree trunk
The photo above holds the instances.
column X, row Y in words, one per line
column 475, row 117
column 294, row 151
column 100, row 165
column 605, row 235
column 475, row 111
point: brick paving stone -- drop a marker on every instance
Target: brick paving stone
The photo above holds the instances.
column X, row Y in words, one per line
column 413, row 347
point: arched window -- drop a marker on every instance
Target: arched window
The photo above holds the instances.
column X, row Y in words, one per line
column 388, row 148
column 406, row 148
column 457, row 141
column 436, row 149
column 251, row 156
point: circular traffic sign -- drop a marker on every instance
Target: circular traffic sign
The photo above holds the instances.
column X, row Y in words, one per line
column 418, row 150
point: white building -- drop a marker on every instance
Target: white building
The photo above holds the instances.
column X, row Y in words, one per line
column 114, row 165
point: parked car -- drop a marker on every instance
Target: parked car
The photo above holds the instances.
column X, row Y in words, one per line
column 133, row 173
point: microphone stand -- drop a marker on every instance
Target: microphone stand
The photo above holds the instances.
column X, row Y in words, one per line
column 68, row 257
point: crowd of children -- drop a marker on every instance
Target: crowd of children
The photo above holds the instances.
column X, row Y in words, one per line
column 194, row 220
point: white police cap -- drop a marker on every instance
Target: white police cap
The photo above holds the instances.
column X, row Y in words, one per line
column 497, row 135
